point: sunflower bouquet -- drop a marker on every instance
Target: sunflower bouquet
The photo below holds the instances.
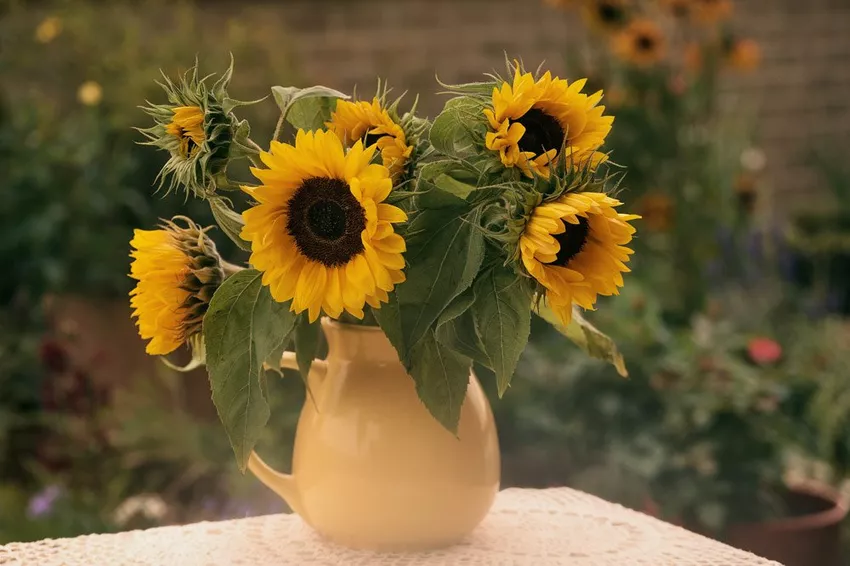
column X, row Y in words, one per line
column 447, row 234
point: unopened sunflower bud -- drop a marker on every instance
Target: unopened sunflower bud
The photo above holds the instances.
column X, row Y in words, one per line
column 197, row 128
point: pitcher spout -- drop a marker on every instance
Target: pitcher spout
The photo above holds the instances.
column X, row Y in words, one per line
column 282, row 484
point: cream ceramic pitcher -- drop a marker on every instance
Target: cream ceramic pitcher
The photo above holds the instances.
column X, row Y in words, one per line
column 372, row 468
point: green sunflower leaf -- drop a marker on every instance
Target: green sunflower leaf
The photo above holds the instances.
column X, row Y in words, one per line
column 456, row 329
column 582, row 333
column 454, row 187
column 389, row 319
column 307, row 108
column 502, row 315
column 441, row 377
column 243, row 328
column 444, row 255
column 459, row 128
column 230, row 222
column 307, row 339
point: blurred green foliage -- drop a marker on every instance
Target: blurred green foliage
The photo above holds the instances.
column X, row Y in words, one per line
column 701, row 431
column 75, row 185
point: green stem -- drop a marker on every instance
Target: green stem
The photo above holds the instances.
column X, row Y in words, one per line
column 278, row 127
column 230, row 268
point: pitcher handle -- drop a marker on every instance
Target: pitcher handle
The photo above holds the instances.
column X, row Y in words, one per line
column 284, row 484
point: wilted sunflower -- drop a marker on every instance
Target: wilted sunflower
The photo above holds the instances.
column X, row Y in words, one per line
column 641, row 43
column 575, row 248
column 531, row 121
column 320, row 231
column 606, row 15
column 178, row 269
column 371, row 123
column 710, row 12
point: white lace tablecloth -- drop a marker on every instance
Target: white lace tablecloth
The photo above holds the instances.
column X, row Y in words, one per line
column 525, row 527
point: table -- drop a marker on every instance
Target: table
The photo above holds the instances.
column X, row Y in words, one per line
column 526, row 527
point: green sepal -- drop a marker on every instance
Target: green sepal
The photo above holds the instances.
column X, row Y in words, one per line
column 459, row 130
column 306, row 108
column 229, row 221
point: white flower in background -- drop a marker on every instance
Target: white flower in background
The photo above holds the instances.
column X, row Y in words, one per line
column 753, row 159
column 148, row 506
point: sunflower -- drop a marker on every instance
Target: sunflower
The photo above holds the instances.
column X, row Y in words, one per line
column 371, row 123
column 187, row 125
column 320, row 231
column 641, row 43
column 742, row 54
column 575, row 248
column 606, row 15
column 178, row 269
column 710, row 12
column 531, row 121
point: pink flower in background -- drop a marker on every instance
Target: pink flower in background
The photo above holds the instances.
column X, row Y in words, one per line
column 764, row 351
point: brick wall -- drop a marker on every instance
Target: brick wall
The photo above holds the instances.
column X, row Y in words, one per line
column 801, row 94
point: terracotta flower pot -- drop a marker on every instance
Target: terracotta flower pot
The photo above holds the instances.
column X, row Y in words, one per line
column 810, row 536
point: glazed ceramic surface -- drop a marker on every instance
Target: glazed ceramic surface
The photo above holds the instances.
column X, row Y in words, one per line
column 372, row 468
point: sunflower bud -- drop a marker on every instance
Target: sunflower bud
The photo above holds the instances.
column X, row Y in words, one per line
column 198, row 129
column 398, row 137
column 178, row 270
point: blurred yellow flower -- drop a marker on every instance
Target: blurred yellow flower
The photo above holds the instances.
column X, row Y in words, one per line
column 656, row 210
column 692, row 57
column 90, row 93
column 606, row 15
column 678, row 8
column 642, row 43
column 48, row 29
column 743, row 55
column 710, row 12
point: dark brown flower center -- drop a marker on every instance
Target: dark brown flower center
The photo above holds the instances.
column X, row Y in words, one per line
column 680, row 9
column 572, row 241
column 370, row 139
column 326, row 221
column 610, row 13
column 188, row 147
column 542, row 132
column 645, row 42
